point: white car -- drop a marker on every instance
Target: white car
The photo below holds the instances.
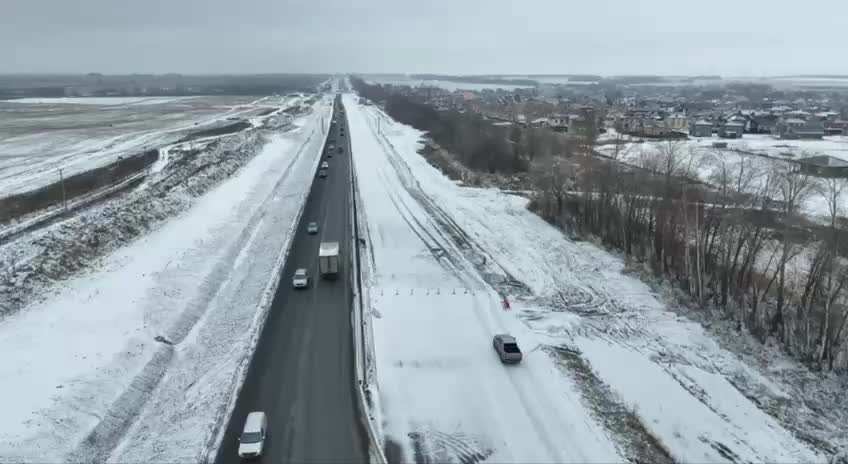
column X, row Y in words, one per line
column 301, row 278
column 325, row 165
column 252, row 439
column 507, row 348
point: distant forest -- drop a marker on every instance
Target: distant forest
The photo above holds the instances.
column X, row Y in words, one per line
column 131, row 85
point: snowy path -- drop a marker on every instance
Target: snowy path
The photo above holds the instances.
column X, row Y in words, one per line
column 435, row 367
column 84, row 368
column 444, row 393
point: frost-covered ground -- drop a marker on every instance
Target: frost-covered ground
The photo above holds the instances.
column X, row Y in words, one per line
column 39, row 136
column 442, row 391
column 134, row 361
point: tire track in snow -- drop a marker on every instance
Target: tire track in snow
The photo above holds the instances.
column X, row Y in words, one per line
column 451, row 236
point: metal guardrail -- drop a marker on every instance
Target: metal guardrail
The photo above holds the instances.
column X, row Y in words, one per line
column 375, row 450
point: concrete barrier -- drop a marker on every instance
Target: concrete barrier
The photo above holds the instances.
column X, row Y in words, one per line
column 375, row 446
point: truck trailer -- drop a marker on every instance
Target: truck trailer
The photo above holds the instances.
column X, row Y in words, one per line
column 328, row 259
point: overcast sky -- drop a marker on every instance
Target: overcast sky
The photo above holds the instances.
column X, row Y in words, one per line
column 727, row 37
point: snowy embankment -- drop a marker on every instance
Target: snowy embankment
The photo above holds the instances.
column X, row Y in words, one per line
column 442, row 391
column 135, row 361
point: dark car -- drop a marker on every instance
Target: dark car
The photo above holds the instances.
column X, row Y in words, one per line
column 340, row 150
column 507, row 348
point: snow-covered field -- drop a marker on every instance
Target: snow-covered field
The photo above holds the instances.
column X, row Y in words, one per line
column 85, row 372
column 103, row 101
column 40, row 136
column 836, row 146
column 705, row 161
column 442, row 391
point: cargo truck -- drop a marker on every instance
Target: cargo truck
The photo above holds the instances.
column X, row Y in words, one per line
column 328, row 259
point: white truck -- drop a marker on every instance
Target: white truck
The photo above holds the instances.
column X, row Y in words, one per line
column 328, row 259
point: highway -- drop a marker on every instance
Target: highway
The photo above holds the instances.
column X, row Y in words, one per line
column 302, row 374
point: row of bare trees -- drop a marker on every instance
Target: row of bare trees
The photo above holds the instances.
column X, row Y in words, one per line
column 477, row 143
column 740, row 244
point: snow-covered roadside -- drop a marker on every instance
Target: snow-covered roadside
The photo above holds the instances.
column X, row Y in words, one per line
column 83, row 366
column 666, row 370
column 443, row 394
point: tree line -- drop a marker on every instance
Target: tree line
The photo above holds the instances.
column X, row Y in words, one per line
column 479, row 144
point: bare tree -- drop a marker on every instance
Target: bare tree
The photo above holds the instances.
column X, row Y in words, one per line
column 832, row 191
column 794, row 187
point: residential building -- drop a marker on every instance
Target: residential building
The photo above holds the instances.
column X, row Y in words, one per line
column 701, row 128
column 838, row 127
column 732, row 129
column 678, row 122
column 823, row 166
column 540, row 122
column 796, row 128
column 761, row 123
column 558, row 122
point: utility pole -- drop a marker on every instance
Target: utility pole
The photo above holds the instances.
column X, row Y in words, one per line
column 64, row 197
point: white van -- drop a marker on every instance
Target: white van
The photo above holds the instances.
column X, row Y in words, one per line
column 252, row 439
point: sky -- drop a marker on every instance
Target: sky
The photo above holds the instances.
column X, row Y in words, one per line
column 607, row 37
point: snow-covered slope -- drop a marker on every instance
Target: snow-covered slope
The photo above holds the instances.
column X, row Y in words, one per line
column 84, row 372
column 441, row 389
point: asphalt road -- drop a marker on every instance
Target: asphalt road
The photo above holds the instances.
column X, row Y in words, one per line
column 302, row 374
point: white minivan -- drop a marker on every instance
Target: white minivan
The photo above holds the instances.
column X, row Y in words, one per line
column 252, row 439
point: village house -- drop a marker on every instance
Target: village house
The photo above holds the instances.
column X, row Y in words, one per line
column 823, row 166
column 731, row 129
column 701, row 128
column 678, row 122
column 837, row 127
column 558, row 122
column 796, row 128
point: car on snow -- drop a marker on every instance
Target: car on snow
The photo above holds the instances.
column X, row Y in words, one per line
column 325, row 165
column 301, row 278
column 252, row 438
column 312, row 228
column 507, row 348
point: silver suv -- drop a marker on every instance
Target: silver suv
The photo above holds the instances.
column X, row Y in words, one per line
column 507, row 348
